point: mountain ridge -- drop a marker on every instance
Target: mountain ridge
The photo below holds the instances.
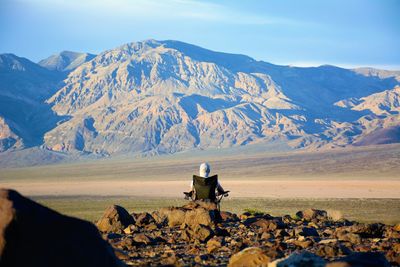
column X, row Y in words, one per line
column 157, row 97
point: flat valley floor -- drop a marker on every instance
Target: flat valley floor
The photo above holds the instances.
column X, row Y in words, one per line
column 359, row 183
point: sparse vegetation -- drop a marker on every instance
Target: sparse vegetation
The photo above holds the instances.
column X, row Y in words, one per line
column 364, row 210
column 254, row 212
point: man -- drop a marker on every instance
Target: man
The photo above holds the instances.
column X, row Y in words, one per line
column 204, row 173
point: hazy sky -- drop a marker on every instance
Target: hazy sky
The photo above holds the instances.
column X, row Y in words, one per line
column 346, row 33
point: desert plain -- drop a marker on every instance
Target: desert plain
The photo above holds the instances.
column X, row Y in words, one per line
column 360, row 183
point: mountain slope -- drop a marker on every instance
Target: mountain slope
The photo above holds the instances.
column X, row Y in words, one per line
column 166, row 96
column 65, row 61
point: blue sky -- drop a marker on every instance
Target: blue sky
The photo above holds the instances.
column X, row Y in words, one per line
column 305, row 33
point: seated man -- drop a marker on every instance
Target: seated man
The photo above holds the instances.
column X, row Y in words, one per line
column 205, row 186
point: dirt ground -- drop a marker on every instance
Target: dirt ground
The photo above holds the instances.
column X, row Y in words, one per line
column 252, row 188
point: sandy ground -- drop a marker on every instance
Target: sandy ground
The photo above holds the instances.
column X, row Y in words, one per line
column 256, row 188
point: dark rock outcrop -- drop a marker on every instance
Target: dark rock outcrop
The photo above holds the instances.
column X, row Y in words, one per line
column 114, row 220
column 33, row 235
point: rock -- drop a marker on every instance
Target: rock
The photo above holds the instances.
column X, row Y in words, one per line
column 374, row 230
column 343, row 235
column 202, row 233
column 115, row 219
column 396, row 248
column 266, row 235
column 129, row 230
column 362, row 259
column 143, row 219
column 228, row 216
column 328, row 241
column 174, row 216
column 311, row 214
column 221, row 232
column 264, row 224
column 327, row 251
column 250, row 257
column 142, row 239
column 33, row 235
column 199, row 216
column 309, row 231
column 299, row 259
column 281, row 233
column 303, row 243
column 194, row 213
column 214, row 244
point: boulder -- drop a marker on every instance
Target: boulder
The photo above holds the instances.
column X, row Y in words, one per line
column 361, row 259
column 310, row 214
column 114, row 220
column 193, row 214
column 250, row 257
column 33, row 235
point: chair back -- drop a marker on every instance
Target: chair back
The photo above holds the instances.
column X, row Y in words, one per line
column 205, row 187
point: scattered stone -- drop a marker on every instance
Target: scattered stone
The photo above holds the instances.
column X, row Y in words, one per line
column 195, row 235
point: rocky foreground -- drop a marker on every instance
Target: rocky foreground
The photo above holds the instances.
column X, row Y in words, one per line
column 195, row 235
column 192, row 235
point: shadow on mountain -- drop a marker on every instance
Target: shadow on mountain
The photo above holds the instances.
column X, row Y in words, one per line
column 24, row 88
column 388, row 135
column 30, row 120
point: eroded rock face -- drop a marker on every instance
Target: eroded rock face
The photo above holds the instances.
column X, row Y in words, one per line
column 33, row 235
column 115, row 220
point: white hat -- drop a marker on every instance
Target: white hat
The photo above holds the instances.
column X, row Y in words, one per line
column 204, row 169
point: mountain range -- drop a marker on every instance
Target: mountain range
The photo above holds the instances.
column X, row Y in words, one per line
column 161, row 97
